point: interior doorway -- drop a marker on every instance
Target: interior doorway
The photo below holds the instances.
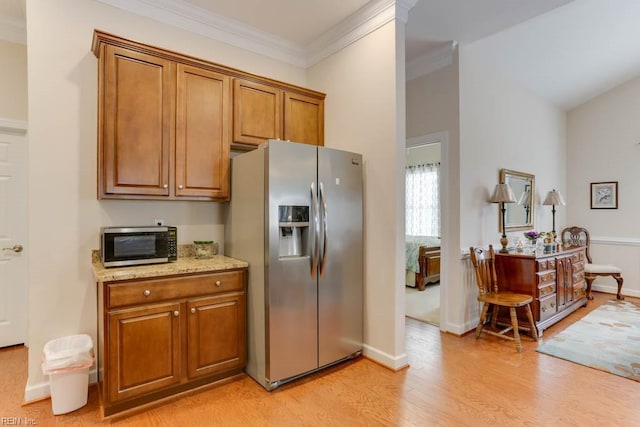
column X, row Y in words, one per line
column 423, row 237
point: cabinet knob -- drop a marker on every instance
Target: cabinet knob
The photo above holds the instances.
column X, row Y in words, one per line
column 165, row 186
column 180, row 187
column 218, row 283
column 176, row 313
column 146, row 293
column 543, row 309
column 193, row 310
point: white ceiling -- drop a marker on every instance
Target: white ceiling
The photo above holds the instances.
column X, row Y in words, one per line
column 565, row 50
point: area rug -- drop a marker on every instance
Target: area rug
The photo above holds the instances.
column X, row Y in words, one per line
column 423, row 305
column 608, row 339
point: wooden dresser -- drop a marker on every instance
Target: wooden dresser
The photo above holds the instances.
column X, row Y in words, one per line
column 555, row 280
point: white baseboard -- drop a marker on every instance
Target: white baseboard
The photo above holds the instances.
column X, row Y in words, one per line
column 40, row 391
column 394, row 363
column 613, row 289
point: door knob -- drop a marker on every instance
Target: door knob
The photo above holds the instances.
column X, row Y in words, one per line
column 14, row 248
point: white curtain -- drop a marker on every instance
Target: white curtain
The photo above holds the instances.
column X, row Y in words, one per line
column 422, row 183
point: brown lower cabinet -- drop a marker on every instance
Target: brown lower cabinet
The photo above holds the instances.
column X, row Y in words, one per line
column 554, row 280
column 159, row 337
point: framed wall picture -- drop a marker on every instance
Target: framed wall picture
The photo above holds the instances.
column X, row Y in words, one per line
column 604, row 195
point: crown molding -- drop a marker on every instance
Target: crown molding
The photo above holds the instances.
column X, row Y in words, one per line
column 364, row 21
column 216, row 27
column 14, row 126
column 191, row 18
column 431, row 61
column 13, row 30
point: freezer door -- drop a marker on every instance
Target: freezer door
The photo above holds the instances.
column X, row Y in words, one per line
column 340, row 287
column 290, row 287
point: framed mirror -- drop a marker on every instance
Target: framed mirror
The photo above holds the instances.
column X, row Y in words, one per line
column 519, row 215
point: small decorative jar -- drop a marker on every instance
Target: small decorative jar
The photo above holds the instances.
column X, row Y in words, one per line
column 204, row 249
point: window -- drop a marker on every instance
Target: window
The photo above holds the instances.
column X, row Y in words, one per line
column 422, row 199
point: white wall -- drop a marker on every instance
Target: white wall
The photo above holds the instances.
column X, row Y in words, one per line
column 365, row 113
column 432, row 102
column 502, row 125
column 13, row 81
column 423, row 154
column 64, row 214
column 604, row 145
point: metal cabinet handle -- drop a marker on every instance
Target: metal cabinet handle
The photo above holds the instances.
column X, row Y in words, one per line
column 218, row 283
column 146, row 293
column 180, row 186
column 193, row 310
column 176, row 313
column 165, row 186
column 544, row 308
column 14, row 248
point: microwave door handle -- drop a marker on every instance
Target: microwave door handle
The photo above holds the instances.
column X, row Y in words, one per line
column 316, row 231
column 323, row 205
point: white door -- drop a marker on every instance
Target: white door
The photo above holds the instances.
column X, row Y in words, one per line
column 13, row 232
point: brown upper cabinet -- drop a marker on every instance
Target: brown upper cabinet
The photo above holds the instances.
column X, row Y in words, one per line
column 167, row 121
column 262, row 111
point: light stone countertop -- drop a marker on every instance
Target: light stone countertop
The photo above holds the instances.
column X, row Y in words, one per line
column 184, row 265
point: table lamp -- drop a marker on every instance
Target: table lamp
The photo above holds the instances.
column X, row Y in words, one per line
column 554, row 198
column 503, row 194
column 525, row 200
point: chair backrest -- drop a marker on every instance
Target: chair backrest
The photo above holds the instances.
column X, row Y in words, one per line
column 576, row 237
column 484, row 265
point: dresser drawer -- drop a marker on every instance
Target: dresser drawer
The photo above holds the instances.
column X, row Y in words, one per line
column 547, row 307
column 547, row 289
column 577, row 257
column 578, row 277
column 546, row 264
column 577, row 266
column 151, row 291
column 546, row 277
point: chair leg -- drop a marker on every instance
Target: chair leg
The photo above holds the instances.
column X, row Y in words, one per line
column 494, row 315
column 589, row 281
column 534, row 331
column 516, row 333
column 619, row 280
column 483, row 315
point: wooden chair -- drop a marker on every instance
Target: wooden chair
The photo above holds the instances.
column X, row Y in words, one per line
column 579, row 236
column 489, row 294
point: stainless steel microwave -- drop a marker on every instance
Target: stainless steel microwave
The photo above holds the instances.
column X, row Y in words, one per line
column 124, row 246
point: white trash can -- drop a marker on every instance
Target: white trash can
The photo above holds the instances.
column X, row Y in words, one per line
column 67, row 361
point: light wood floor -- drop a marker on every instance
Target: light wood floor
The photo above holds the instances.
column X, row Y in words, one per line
column 452, row 381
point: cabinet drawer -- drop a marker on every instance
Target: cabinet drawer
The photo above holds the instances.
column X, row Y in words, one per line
column 546, row 277
column 547, row 289
column 578, row 277
column 547, row 307
column 147, row 291
column 546, row 264
column 577, row 266
column 577, row 257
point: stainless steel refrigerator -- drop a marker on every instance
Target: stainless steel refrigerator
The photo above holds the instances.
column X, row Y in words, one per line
column 296, row 216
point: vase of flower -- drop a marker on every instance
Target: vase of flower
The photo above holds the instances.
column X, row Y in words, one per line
column 533, row 236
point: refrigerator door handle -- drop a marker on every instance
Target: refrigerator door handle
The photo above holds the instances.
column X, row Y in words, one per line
column 323, row 204
column 316, row 231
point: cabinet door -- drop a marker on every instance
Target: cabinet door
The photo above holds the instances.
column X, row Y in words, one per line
column 257, row 112
column 564, row 276
column 303, row 119
column 203, row 118
column 137, row 122
column 143, row 350
column 216, row 334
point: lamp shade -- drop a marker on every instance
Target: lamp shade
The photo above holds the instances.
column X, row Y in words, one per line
column 554, row 198
column 525, row 197
column 502, row 194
